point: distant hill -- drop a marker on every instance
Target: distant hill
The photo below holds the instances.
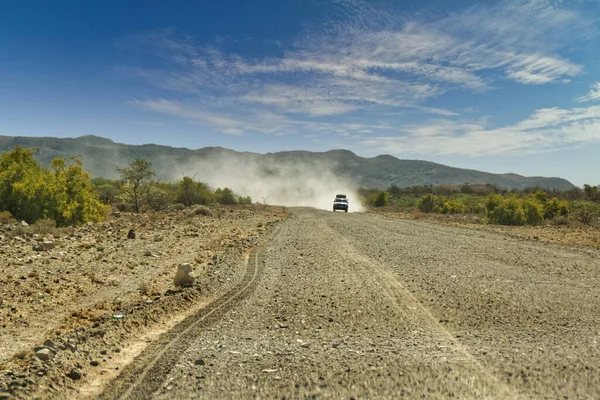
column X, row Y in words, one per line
column 102, row 156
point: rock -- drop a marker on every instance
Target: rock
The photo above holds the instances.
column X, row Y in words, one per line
column 23, row 223
column 49, row 343
column 199, row 362
column 71, row 346
column 48, row 244
column 37, row 246
column 185, row 275
column 116, row 214
column 5, row 396
column 131, row 234
column 44, row 354
column 75, row 374
column 94, row 363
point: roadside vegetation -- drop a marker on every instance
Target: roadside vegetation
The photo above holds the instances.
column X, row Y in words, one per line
column 489, row 204
column 65, row 195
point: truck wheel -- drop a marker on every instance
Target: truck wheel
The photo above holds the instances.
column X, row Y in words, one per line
column 346, row 210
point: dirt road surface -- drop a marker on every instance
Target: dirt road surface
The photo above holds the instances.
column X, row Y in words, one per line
column 359, row 306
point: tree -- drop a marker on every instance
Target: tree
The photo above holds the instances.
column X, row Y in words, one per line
column 137, row 175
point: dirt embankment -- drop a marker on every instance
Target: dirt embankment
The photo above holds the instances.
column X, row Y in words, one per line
column 570, row 233
column 99, row 296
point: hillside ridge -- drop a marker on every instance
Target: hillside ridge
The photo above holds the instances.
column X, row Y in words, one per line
column 102, row 156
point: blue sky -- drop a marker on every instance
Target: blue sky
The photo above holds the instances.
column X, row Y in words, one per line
column 503, row 86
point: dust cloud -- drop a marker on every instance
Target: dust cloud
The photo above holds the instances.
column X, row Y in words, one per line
column 285, row 183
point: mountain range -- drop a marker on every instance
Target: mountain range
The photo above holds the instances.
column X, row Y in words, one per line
column 102, row 156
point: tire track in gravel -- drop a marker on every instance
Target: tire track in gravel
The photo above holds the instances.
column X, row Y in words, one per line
column 406, row 301
column 147, row 372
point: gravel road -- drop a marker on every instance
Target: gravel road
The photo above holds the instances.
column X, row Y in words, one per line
column 359, row 306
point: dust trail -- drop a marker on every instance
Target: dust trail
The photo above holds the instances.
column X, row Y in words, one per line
column 286, row 183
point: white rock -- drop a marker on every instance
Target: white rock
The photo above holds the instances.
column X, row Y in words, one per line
column 185, row 275
column 44, row 354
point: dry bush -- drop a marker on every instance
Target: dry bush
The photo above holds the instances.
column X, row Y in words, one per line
column 177, row 207
column 201, row 210
column 560, row 220
column 44, row 226
column 147, row 289
column 6, row 218
column 20, row 230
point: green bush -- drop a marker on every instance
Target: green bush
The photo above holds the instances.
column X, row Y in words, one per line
column 382, row 199
column 190, row 192
column 585, row 212
column 533, row 212
column 504, row 211
column 245, row 200
column 453, row 207
column 225, row 196
column 427, row 203
column 62, row 193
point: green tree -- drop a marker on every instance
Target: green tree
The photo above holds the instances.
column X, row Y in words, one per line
column 138, row 175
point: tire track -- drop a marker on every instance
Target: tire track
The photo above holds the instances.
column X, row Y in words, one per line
column 147, row 372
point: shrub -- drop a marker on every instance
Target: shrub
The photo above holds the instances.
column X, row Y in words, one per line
column 201, row 210
column 427, row 203
column 44, row 226
column 382, row 199
column 225, row 196
column 585, row 212
column 560, row 220
column 505, row 211
column 158, row 197
column 245, row 200
column 532, row 211
column 178, row 207
column 190, row 192
column 453, row 207
column 62, row 193
column 6, row 218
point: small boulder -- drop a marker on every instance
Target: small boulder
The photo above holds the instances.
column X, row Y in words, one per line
column 131, row 234
column 37, row 246
column 48, row 244
column 185, row 275
column 44, row 354
column 75, row 374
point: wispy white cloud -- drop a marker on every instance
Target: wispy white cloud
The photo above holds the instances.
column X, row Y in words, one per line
column 545, row 130
column 593, row 94
column 366, row 60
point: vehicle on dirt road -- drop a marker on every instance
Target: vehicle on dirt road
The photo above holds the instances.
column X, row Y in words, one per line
column 340, row 202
